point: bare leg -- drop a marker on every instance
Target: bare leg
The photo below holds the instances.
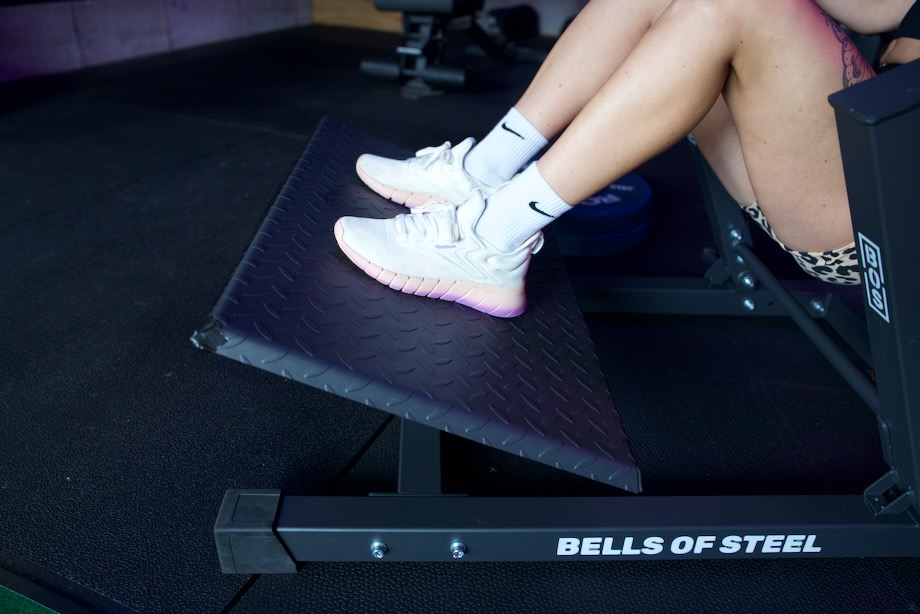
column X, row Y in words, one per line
column 583, row 58
column 718, row 141
column 589, row 51
column 774, row 62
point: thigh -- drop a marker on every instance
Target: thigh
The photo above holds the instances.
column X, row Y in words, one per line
column 717, row 139
column 590, row 50
column 791, row 58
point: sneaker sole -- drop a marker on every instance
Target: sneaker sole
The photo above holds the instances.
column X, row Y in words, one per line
column 402, row 197
column 493, row 300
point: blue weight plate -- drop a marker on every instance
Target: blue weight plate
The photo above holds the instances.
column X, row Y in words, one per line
column 620, row 207
column 602, row 244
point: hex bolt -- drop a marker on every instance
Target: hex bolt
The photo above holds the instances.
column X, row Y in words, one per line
column 749, row 304
column 747, row 280
column 378, row 550
column 458, row 550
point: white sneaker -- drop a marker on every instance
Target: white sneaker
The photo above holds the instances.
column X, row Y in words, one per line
column 434, row 174
column 438, row 254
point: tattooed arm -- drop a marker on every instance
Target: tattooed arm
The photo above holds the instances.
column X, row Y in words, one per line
column 867, row 16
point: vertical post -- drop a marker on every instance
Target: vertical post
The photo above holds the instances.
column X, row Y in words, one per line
column 878, row 122
column 419, row 459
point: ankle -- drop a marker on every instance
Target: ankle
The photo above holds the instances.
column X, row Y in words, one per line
column 511, row 144
column 518, row 210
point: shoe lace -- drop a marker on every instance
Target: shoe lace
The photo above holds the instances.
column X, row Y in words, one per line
column 434, row 224
column 431, row 155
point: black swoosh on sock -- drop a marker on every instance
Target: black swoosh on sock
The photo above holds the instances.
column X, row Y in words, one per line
column 517, row 134
column 533, row 205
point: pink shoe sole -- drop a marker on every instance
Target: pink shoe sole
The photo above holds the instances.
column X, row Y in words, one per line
column 409, row 199
column 493, row 300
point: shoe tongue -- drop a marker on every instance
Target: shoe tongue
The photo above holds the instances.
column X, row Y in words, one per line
column 463, row 147
column 538, row 244
column 430, row 155
column 470, row 211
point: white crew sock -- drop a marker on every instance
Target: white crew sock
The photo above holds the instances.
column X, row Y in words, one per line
column 511, row 144
column 519, row 209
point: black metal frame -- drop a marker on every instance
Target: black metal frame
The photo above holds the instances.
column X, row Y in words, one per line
column 879, row 129
column 263, row 531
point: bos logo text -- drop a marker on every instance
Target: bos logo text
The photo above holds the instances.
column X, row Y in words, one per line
column 874, row 276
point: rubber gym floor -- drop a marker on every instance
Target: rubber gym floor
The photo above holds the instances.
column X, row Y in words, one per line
column 129, row 193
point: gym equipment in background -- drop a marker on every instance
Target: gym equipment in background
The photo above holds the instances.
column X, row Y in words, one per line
column 422, row 64
column 420, row 57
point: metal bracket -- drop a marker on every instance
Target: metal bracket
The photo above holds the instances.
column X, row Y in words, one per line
column 884, row 498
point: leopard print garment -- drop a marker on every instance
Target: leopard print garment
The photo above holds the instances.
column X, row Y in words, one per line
column 836, row 266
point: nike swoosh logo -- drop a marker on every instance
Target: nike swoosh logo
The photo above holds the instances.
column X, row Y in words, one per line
column 533, row 205
column 517, row 134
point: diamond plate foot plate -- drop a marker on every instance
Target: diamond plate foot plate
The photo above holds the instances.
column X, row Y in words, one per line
column 296, row 306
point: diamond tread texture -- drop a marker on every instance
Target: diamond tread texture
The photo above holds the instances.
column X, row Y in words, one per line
column 296, row 306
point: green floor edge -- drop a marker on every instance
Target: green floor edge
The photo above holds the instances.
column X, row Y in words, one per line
column 14, row 603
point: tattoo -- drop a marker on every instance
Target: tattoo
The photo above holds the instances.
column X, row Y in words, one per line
column 855, row 66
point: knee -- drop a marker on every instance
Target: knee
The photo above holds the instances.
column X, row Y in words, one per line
column 711, row 12
column 650, row 10
column 740, row 12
